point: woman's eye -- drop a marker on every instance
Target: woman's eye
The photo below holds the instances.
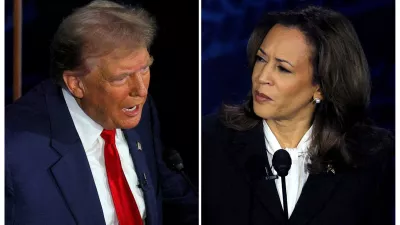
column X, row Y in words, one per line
column 260, row 59
column 282, row 69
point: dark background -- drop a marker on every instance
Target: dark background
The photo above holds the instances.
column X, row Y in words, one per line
column 174, row 74
column 226, row 27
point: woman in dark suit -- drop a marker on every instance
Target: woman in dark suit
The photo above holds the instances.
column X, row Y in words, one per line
column 310, row 92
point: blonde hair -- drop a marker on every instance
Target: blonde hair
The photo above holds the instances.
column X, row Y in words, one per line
column 95, row 30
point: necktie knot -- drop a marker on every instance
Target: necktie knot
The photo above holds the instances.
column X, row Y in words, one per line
column 108, row 136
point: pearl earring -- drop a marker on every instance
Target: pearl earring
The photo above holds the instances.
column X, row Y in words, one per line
column 317, row 100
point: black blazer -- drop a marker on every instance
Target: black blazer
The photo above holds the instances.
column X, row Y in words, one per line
column 232, row 194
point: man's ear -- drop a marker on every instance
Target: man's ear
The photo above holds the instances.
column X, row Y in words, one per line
column 74, row 83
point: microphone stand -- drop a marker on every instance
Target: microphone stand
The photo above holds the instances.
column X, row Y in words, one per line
column 282, row 162
column 174, row 161
column 194, row 189
column 285, row 208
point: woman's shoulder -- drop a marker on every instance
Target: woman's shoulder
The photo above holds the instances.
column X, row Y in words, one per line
column 216, row 131
column 211, row 125
column 370, row 137
column 369, row 144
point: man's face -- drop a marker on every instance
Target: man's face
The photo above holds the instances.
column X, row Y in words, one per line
column 115, row 90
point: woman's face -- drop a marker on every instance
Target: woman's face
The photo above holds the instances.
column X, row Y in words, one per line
column 282, row 76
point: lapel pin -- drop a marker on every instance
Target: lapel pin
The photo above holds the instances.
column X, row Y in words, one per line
column 139, row 146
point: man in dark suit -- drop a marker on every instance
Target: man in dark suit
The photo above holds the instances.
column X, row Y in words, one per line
column 84, row 147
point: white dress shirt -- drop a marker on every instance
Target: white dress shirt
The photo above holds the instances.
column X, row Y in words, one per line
column 298, row 172
column 89, row 132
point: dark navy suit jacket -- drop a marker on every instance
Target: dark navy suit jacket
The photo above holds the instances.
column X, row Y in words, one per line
column 47, row 175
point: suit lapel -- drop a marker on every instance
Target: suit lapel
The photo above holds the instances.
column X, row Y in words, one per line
column 72, row 172
column 315, row 194
column 248, row 147
column 137, row 152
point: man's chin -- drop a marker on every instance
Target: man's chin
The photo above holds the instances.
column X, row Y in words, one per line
column 130, row 123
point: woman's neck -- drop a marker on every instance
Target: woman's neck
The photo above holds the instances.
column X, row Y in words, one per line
column 289, row 132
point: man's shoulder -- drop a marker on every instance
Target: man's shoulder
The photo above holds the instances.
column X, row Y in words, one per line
column 33, row 100
column 28, row 114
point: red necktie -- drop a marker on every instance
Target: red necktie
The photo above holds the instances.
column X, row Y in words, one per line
column 124, row 202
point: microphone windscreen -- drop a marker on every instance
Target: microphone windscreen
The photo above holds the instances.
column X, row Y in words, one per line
column 173, row 159
column 281, row 162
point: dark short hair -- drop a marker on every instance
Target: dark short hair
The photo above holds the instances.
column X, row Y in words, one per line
column 96, row 30
column 339, row 67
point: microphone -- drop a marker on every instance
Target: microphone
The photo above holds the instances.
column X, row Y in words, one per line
column 281, row 162
column 175, row 162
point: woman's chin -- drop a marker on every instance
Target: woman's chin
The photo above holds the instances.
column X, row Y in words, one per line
column 263, row 113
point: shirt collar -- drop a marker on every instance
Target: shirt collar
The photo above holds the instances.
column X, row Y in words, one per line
column 88, row 130
column 273, row 145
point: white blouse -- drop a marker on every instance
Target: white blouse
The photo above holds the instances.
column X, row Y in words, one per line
column 298, row 172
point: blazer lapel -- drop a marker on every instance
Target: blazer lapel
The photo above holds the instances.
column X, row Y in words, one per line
column 248, row 147
column 315, row 194
column 72, row 172
column 137, row 150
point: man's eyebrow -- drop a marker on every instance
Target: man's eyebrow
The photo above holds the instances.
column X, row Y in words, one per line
column 150, row 61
